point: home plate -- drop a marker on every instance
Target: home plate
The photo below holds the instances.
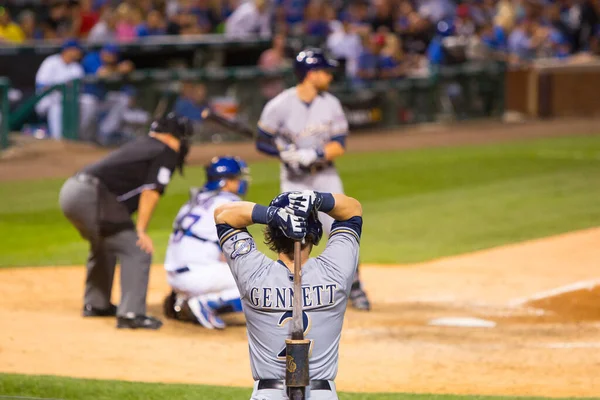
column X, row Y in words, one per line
column 462, row 321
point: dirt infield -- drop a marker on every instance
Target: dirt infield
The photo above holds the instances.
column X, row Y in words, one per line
column 32, row 159
column 538, row 300
column 541, row 296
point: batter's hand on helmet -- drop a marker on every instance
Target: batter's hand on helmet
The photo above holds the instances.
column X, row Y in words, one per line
column 301, row 203
column 292, row 226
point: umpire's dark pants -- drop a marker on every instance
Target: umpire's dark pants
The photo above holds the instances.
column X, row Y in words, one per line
column 79, row 201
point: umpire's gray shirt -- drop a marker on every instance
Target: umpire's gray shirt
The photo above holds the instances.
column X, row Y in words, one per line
column 266, row 287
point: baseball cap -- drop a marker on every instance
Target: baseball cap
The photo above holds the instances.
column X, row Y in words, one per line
column 111, row 48
column 71, row 44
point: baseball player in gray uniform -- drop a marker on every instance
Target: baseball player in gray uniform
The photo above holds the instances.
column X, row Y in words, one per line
column 305, row 126
column 266, row 286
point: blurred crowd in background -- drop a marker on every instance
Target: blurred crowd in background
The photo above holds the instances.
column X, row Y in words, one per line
column 373, row 39
column 384, row 37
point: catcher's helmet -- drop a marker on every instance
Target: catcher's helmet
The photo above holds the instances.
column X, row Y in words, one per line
column 222, row 168
column 311, row 59
column 314, row 227
column 176, row 125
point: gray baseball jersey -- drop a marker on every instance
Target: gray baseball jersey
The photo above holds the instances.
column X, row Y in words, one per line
column 266, row 288
column 288, row 120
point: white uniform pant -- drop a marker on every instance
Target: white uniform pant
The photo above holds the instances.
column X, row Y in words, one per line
column 274, row 394
column 51, row 107
column 211, row 282
column 327, row 181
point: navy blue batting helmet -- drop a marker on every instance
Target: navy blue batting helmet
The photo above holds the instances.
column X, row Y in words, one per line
column 312, row 59
column 222, row 168
column 314, row 227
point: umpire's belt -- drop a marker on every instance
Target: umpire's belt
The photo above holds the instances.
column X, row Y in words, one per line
column 87, row 178
column 279, row 384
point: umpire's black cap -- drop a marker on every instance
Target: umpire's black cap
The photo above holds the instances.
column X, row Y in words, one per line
column 176, row 125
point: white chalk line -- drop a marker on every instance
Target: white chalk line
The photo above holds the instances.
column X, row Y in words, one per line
column 572, row 287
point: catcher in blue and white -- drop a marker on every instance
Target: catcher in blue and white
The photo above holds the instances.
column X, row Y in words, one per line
column 202, row 283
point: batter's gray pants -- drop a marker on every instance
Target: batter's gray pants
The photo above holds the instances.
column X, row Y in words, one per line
column 79, row 203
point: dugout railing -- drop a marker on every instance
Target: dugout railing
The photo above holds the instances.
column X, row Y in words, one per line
column 4, row 112
column 471, row 90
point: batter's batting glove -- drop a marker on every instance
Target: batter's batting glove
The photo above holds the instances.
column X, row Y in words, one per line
column 292, row 226
column 307, row 157
column 301, row 203
column 288, row 156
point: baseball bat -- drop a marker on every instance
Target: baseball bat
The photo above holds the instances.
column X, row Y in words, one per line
column 297, row 325
column 297, row 374
column 161, row 108
column 231, row 124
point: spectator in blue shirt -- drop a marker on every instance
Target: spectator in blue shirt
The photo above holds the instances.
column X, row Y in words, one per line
column 290, row 13
column 390, row 60
column 435, row 51
column 104, row 63
column 522, row 43
column 494, row 37
column 560, row 45
column 154, row 25
column 192, row 101
column 357, row 14
column 368, row 60
column 316, row 23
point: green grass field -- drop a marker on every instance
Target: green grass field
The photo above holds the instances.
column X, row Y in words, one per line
column 85, row 389
column 418, row 205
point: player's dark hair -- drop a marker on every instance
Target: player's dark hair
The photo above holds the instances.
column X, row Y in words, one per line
column 279, row 243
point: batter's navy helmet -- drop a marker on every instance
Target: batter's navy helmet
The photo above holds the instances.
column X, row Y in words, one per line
column 176, row 125
column 314, row 227
column 312, row 59
column 222, row 168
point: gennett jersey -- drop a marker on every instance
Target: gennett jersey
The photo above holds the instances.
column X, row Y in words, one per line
column 266, row 288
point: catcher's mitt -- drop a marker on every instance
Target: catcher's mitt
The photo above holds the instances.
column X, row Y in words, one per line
column 178, row 309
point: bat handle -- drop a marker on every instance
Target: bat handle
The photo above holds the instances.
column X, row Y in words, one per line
column 298, row 327
column 297, row 393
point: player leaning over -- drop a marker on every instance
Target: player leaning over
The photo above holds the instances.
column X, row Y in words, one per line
column 196, row 270
column 306, row 128
column 266, row 286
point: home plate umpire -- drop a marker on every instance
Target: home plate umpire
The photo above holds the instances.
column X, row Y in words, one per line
column 99, row 201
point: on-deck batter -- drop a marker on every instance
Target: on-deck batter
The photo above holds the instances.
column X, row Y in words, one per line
column 267, row 286
column 305, row 126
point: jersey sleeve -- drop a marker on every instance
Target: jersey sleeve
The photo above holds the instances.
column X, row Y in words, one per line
column 247, row 264
column 339, row 125
column 340, row 256
column 160, row 171
column 270, row 119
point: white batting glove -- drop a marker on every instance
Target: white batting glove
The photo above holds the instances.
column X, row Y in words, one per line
column 306, row 157
column 289, row 156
